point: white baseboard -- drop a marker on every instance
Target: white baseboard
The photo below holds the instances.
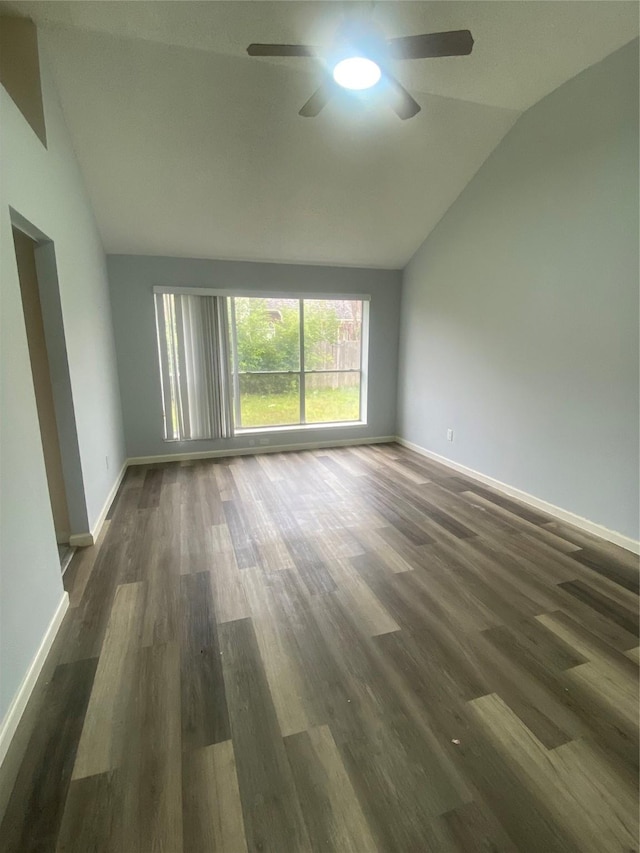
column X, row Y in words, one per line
column 537, row 503
column 250, row 451
column 97, row 527
column 19, row 703
column 81, row 540
column 84, row 540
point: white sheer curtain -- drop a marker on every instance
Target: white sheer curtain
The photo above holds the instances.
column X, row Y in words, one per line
column 194, row 366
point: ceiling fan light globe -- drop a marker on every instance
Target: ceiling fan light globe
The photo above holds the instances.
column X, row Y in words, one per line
column 356, row 72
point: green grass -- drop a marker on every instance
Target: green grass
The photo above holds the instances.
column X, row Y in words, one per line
column 325, row 405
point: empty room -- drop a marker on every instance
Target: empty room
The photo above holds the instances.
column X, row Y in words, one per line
column 319, row 426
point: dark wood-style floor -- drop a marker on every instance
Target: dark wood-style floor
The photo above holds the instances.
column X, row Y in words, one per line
column 345, row 650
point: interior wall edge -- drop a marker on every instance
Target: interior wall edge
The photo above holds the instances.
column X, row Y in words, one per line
column 88, row 538
column 17, row 707
column 558, row 512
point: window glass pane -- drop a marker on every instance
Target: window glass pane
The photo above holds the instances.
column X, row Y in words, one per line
column 269, row 399
column 332, row 334
column 268, row 334
column 331, row 397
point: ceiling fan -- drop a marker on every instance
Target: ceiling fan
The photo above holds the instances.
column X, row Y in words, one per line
column 359, row 60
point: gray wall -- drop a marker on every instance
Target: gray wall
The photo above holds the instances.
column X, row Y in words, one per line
column 132, row 278
column 519, row 321
column 45, row 187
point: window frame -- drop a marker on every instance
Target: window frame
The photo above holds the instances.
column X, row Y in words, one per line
column 231, row 294
column 302, row 373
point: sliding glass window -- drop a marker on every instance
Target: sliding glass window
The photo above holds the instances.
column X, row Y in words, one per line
column 297, row 361
column 266, row 338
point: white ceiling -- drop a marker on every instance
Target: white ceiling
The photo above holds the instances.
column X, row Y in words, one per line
column 189, row 147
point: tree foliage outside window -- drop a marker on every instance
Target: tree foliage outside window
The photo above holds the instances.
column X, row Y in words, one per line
column 269, row 337
column 267, row 341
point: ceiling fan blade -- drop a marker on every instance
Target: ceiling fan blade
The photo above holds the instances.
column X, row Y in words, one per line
column 281, row 50
column 318, row 100
column 401, row 101
column 428, row 45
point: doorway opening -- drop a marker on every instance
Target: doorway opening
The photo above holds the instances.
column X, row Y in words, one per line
column 44, row 388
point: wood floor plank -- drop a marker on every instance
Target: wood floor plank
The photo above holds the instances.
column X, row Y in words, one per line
column 400, row 514
column 205, row 718
column 228, row 592
column 357, row 598
column 34, row 812
column 212, row 810
column 270, row 467
column 161, row 620
column 579, row 791
column 332, row 650
column 601, row 549
column 481, row 519
column 309, row 564
column 224, row 480
column 624, row 573
column 150, row 495
column 410, row 502
column 626, row 619
column 462, row 606
column 399, row 799
column 500, row 569
column 101, row 744
column 138, row 549
column 517, row 522
column 242, row 537
column 530, row 640
column 83, row 633
column 535, row 557
column 391, row 466
column 331, row 809
column 609, row 686
column 209, row 501
column 576, row 635
column 192, row 525
column 527, row 820
column 151, row 772
column 293, row 696
column 397, row 558
column 92, row 818
column 336, row 544
column 474, row 829
column 272, row 817
column 511, row 505
column 272, row 549
column 608, row 632
column 161, row 611
column 634, row 654
column 608, row 588
column 396, row 540
column 512, row 672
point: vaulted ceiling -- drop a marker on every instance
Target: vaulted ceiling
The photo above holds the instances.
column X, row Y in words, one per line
column 190, row 147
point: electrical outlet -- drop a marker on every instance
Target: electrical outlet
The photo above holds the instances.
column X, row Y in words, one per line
column 449, row 435
column 264, row 441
